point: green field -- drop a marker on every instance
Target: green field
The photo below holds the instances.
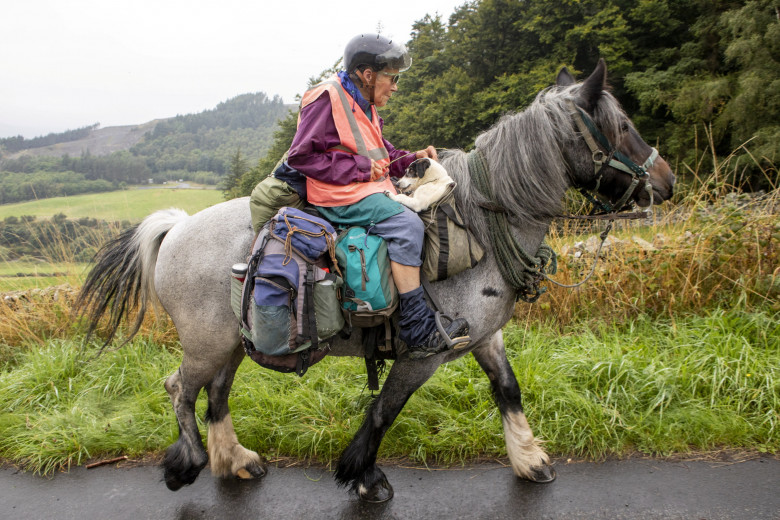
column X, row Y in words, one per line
column 132, row 204
column 27, row 274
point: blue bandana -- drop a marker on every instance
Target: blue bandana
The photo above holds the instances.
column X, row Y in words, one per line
column 353, row 91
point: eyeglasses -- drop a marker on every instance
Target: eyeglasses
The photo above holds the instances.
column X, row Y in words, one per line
column 393, row 77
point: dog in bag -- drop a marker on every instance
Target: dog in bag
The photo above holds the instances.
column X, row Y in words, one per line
column 425, row 183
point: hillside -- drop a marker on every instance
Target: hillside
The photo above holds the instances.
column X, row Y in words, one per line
column 99, row 142
column 193, row 147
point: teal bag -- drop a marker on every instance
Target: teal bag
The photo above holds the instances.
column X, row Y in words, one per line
column 368, row 284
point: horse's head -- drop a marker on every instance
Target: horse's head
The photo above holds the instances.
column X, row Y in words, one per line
column 613, row 159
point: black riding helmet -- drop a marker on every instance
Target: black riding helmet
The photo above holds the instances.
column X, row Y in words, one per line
column 377, row 52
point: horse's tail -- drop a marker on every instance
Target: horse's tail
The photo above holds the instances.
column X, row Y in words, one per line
column 122, row 279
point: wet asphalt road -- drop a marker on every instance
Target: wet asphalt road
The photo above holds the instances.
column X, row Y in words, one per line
column 614, row 489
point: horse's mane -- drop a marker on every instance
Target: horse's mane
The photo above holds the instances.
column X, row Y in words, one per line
column 529, row 172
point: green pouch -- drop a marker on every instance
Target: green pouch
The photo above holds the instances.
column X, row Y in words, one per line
column 327, row 307
column 268, row 197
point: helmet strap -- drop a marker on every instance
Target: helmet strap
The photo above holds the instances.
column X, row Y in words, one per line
column 367, row 85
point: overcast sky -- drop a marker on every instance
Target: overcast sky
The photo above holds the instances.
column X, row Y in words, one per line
column 66, row 64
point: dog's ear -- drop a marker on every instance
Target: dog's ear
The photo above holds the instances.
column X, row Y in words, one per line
column 420, row 166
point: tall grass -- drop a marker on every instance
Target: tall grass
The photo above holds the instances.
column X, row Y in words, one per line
column 63, row 406
column 650, row 386
column 715, row 246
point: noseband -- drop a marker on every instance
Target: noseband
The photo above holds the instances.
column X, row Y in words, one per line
column 611, row 157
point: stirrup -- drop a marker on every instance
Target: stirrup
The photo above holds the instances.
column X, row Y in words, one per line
column 455, row 343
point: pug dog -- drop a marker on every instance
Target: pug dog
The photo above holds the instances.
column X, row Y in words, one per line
column 425, row 183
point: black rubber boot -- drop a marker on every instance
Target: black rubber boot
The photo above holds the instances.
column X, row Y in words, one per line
column 417, row 320
column 424, row 331
column 453, row 336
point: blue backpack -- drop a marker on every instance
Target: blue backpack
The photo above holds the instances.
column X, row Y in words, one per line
column 370, row 295
column 290, row 301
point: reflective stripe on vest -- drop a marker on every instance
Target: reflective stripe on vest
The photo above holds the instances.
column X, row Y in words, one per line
column 359, row 136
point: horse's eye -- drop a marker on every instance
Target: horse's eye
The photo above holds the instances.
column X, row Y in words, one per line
column 624, row 126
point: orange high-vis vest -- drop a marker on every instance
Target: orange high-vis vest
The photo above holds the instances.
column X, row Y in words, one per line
column 359, row 136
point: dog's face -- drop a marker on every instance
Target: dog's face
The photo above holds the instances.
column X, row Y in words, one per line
column 419, row 172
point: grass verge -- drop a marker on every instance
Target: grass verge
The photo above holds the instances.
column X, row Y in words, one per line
column 653, row 386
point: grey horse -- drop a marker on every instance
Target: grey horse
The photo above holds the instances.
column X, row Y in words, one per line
column 183, row 262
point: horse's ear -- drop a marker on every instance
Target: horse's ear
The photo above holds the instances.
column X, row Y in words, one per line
column 564, row 78
column 593, row 87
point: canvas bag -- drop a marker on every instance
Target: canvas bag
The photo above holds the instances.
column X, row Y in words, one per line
column 273, row 193
column 449, row 247
column 290, row 292
column 370, row 296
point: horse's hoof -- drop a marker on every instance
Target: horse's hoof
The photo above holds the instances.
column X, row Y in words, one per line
column 173, row 483
column 380, row 492
column 251, row 471
column 176, row 482
column 179, row 473
column 542, row 474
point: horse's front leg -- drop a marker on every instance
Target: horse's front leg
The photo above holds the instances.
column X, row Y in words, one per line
column 528, row 459
column 357, row 467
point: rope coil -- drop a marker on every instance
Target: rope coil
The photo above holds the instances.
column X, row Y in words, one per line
column 522, row 271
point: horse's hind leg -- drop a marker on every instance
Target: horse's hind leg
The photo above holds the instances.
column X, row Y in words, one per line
column 203, row 358
column 528, row 459
column 228, row 457
column 186, row 457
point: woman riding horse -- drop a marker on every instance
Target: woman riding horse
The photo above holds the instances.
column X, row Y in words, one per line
column 340, row 149
column 572, row 135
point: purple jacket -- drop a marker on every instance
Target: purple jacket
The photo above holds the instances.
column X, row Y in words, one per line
column 317, row 133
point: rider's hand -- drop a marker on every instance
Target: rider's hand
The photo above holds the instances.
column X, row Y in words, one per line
column 429, row 152
column 377, row 171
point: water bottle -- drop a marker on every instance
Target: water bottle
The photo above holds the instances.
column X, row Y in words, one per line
column 238, row 271
column 237, row 277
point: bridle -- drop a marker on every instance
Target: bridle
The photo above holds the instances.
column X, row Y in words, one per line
column 611, row 157
column 617, row 160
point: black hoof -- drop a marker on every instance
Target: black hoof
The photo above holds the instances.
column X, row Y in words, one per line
column 180, row 469
column 252, row 471
column 173, row 483
column 542, row 474
column 380, row 492
column 176, row 481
